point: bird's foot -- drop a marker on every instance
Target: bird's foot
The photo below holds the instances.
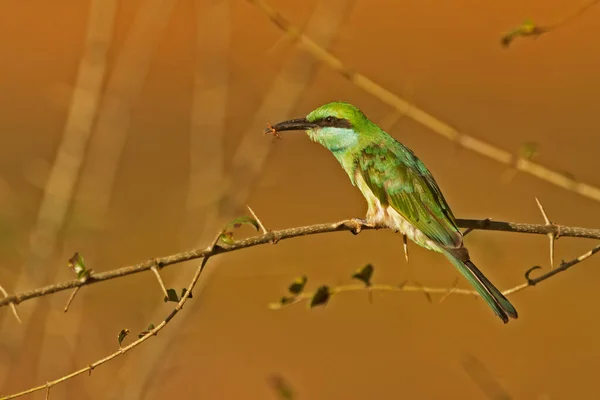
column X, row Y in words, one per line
column 359, row 225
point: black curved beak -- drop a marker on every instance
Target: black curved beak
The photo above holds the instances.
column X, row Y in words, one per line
column 299, row 124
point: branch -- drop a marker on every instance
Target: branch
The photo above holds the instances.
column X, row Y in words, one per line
column 275, row 236
column 320, row 297
column 122, row 350
column 442, row 128
column 299, row 296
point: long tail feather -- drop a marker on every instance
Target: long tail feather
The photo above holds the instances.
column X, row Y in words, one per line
column 492, row 296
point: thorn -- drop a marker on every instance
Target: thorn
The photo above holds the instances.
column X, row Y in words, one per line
column 405, row 240
column 48, row 386
column 258, row 221
column 551, row 236
column 12, row 305
column 72, row 297
column 546, row 219
column 160, row 281
column 425, row 292
column 450, row 291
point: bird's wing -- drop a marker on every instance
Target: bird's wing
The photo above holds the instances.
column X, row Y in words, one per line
column 399, row 179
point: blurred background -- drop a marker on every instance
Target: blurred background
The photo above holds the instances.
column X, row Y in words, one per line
column 133, row 129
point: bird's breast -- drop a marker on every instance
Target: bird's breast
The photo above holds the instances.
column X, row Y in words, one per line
column 386, row 216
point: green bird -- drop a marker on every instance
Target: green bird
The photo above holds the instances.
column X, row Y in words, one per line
column 400, row 191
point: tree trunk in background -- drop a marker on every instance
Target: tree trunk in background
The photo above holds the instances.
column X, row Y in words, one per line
column 40, row 267
column 122, row 93
column 249, row 159
column 209, row 110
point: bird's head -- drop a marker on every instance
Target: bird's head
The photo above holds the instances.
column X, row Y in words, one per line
column 335, row 125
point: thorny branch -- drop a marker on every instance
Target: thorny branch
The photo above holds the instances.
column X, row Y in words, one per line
column 405, row 287
column 318, row 297
column 122, row 350
column 283, row 234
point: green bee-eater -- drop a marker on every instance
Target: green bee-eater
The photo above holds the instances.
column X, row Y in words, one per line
column 400, row 191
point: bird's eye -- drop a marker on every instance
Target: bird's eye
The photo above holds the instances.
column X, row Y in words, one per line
column 329, row 120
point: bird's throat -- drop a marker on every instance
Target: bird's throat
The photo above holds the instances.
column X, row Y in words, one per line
column 335, row 140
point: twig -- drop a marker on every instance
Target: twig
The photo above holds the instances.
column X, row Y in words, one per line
column 12, row 305
column 346, row 225
column 122, row 350
column 441, row 128
column 258, row 221
column 287, row 88
column 71, row 298
column 403, row 287
column 580, row 11
column 160, row 281
column 551, row 236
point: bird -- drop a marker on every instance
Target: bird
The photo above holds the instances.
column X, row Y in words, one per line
column 400, row 191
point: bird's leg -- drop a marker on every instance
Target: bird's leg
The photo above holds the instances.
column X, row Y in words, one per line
column 405, row 240
column 360, row 224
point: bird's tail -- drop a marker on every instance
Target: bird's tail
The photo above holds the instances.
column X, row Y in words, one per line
column 492, row 296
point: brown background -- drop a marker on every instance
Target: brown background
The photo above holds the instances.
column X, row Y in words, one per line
column 443, row 56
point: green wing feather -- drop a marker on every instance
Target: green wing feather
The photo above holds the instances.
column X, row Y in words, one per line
column 398, row 178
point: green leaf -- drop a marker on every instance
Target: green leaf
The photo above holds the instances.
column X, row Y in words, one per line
column 285, row 300
column 146, row 332
column 529, row 150
column 527, row 28
column 364, row 274
column 283, row 389
column 298, row 285
column 122, row 335
column 183, row 291
column 227, row 238
column 77, row 264
column 321, row 297
column 227, row 235
column 238, row 222
column 171, row 296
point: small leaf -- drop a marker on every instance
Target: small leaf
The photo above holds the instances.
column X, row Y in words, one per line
column 171, row 296
column 81, row 275
column 364, row 274
column 529, row 150
column 285, row 300
column 77, row 264
column 227, row 238
column 527, row 28
column 227, row 235
column 238, row 222
column 321, row 297
column 146, row 332
column 298, row 285
column 122, row 335
column 183, row 291
column 281, row 387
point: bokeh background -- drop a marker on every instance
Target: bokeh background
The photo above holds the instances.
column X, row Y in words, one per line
column 156, row 108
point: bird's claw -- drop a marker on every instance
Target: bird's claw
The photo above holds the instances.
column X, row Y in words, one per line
column 359, row 224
